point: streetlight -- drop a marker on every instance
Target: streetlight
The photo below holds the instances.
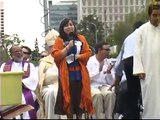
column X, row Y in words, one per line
column 95, row 30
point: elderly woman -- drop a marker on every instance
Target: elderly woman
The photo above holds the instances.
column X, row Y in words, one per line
column 47, row 87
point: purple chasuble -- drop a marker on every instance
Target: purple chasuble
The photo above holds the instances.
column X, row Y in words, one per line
column 26, row 92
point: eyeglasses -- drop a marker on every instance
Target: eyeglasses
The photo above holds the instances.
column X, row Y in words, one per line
column 106, row 49
column 25, row 53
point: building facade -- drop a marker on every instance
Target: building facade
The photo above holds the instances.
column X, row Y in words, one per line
column 109, row 11
column 58, row 11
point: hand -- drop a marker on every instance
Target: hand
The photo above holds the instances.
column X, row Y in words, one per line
column 141, row 76
column 70, row 44
column 77, row 56
column 110, row 88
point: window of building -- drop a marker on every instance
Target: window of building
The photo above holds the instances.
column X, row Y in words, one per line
column 84, row 2
column 100, row 2
column 121, row 2
column 110, row 10
column 89, row 10
column 115, row 2
column 94, row 2
column 131, row 2
column 142, row 2
column 105, row 2
column 126, row 2
column 110, row 2
column 126, row 9
column 84, row 10
column 115, row 9
column 99, row 10
column 137, row 2
column 121, row 9
column 110, row 17
column 89, row 2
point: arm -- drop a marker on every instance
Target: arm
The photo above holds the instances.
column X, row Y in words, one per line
column 138, row 69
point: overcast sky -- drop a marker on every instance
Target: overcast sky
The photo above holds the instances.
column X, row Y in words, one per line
column 22, row 17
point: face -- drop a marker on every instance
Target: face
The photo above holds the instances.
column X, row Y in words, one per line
column 25, row 54
column 155, row 17
column 105, row 51
column 69, row 27
column 44, row 54
column 17, row 54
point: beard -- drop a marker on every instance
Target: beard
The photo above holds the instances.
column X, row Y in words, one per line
column 17, row 59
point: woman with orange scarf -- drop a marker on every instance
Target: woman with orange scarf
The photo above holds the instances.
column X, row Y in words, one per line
column 71, row 53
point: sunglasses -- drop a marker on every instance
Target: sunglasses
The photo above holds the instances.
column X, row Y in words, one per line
column 25, row 53
column 106, row 49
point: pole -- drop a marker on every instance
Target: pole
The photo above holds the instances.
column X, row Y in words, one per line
column 95, row 31
column 105, row 26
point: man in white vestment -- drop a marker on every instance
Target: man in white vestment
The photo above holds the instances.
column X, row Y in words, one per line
column 99, row 68
column 29, row 80
column 48, row 81
column 146, row 63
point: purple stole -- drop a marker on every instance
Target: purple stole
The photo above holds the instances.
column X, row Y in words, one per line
column 27, row 92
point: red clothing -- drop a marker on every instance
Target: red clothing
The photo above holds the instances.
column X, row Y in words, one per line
column 86, row 99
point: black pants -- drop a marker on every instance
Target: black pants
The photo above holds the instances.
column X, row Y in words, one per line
column 132, row 109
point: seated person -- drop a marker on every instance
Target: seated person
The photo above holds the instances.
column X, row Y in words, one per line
column 48, row 80
column 100, row 71
column 29, row 80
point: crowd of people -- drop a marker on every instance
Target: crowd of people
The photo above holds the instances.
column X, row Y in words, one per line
column 70, row 82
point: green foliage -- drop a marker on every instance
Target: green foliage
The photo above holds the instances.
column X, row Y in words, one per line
column 35, row 54
column 6, row 43
column 87, row 28
column 124, row 28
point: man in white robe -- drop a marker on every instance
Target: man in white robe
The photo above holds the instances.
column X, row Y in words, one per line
column 99, row 68
column 146, row 63
column 29, row 81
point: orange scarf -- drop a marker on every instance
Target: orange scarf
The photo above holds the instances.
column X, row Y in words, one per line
column 86, row 99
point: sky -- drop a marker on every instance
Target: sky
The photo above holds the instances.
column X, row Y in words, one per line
column 22, row 17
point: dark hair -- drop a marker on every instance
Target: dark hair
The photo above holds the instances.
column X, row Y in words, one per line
column 100, row 45
column 63, row 35
column 137, row 24
column 152, row 7
column 29, row 50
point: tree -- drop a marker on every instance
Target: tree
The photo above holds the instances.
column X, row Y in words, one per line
column 6, row 44
column 124, row 28
column 35, row 53
column 89, row 26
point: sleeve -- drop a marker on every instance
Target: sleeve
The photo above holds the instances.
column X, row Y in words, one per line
column 119, row 62
column 93, row 71
column 2, row 66
column 32, row 81
column 137, row 58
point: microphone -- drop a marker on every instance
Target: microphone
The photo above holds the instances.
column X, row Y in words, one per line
column 71, row 36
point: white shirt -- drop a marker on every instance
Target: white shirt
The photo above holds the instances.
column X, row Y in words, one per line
column 97, row 78
column 129, row 45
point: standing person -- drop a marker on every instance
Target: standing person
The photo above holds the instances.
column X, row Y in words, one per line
column 146, row 62
column 29, row 80
column 71, row 53
column 125, row 62
column 101, row 78
column 26, row 53
column 48, row 80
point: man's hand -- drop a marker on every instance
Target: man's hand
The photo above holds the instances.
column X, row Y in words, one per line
column 141, row 76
